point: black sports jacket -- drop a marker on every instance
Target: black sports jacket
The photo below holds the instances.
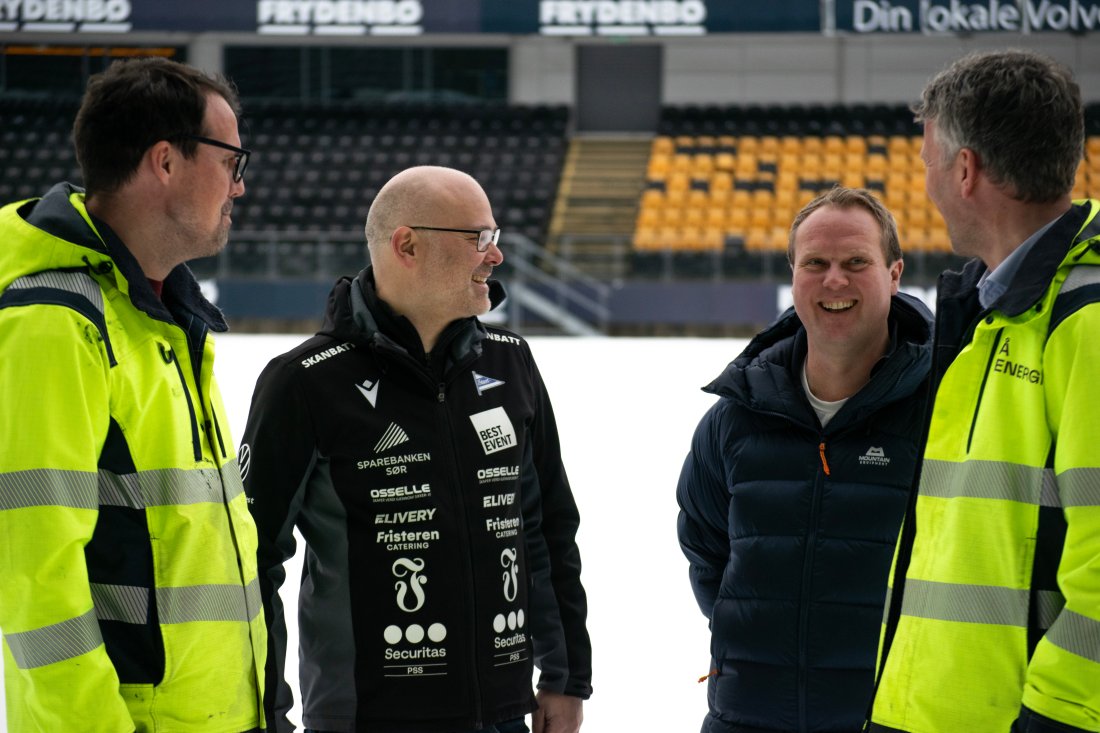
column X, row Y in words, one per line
column 440, row 559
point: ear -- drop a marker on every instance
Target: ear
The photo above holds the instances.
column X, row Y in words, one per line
column 406, row 247
column 967, row 174
column 895, row 276
column 161, row 160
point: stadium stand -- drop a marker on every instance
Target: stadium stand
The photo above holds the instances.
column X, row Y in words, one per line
column 723, row 183
column 316, row 168
column 719, row 184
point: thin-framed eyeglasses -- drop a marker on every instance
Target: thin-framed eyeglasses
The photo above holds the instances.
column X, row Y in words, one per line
column 485, row 237
column 240, row 157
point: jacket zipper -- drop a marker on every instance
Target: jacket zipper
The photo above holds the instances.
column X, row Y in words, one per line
column 807, row 575
column 440, row 389
column 981, row 390
column 476, row 654
column 169, row 357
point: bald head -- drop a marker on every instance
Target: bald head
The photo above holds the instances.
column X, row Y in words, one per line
column 420, row 196
column 423, row 233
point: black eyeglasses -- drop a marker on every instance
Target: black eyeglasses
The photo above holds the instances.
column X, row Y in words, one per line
column 241, row 156
column 485, row 237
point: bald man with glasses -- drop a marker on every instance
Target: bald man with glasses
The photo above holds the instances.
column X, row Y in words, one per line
column 416, row 451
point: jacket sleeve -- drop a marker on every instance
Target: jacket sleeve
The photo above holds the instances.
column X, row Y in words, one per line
column 702, row 525
column 558, row 604
column 1063, row 677
column 54, row 417
column 279, row 449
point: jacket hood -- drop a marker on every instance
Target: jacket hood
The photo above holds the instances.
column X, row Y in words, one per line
column 766, row 377
column 71, row 239
column 57, row 232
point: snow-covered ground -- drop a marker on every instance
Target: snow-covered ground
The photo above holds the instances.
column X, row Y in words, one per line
column 626, row 409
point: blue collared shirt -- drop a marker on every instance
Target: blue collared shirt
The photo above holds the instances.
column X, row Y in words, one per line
column 994, row 283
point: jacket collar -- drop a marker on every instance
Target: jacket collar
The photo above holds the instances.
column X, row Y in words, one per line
column 356, row 313
column 56, row 214
column 1036, row 272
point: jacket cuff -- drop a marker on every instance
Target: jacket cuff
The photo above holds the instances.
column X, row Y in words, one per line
column 1031, row 722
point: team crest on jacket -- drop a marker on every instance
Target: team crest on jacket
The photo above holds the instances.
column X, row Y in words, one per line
column 484, row 384
column 494, row 430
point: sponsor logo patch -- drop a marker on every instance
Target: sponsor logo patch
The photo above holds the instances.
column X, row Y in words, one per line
column 394, row 435
column 484, row 383
column 494, row 430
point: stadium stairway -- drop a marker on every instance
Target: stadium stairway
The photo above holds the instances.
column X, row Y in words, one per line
column 597, row 203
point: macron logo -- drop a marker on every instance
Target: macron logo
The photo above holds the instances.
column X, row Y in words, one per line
column 874, row 457
column 369, row 390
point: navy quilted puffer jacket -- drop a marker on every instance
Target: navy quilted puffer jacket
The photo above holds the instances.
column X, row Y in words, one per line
column 789, row 527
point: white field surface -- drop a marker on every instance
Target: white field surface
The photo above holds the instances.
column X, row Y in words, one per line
column 626, row 409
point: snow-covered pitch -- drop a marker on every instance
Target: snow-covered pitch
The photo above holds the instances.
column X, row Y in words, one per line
column 626, row 409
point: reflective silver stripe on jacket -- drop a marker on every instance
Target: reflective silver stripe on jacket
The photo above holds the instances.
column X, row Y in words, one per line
column 1079, row 277
column 975, row 604
column 1077, row 634
column 126, row 603
column 169, row 487
column 209, row 603
column 1080, row 487
column 55, row 643
column 989, row 480
column 74, row 282
column 48, row 487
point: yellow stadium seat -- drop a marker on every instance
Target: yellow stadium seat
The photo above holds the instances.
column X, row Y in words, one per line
column 852, row 179
column 701, row 165
column 653, row 198
column 757, row 239
column 646, row 238
column 678, row 181
column 681, row 163
column 769, row 144
column 747, row 144
column 648, row 217
column 721, row 181
column 834, row 144
column 725, row 161
column 812, row 144
column 662, row 145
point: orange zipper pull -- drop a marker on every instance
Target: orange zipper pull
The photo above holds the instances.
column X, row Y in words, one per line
column 821, row 451
column 713, row 673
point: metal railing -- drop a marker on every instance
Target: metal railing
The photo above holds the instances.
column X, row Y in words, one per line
column 538, row 282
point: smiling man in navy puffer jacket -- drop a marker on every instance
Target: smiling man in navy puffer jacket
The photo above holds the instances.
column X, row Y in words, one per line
column 792, row 495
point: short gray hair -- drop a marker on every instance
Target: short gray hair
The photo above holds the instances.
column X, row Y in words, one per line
column 1020, row 111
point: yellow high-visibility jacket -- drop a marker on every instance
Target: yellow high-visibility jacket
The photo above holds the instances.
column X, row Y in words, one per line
column 996, row 625
column 128, row 592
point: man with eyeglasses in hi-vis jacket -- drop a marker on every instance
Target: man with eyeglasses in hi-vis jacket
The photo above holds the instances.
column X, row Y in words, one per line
column 416, row 450
column 129, row 598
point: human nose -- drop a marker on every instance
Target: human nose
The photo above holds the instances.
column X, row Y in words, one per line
column 236, row 188
column 493, row 255
column 835, row 277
